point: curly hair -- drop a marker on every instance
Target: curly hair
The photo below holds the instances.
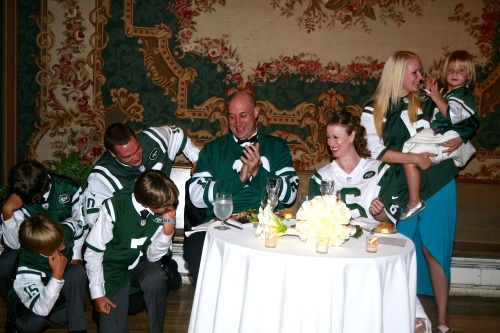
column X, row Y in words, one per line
column 351, row 123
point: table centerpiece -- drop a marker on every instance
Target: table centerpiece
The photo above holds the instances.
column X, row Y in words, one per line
column 322, row 215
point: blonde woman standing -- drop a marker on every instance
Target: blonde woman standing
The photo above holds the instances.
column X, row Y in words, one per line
column 395, row 113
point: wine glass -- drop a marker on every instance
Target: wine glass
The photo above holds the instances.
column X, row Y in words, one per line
column 302, row 198
column 223, row 207
column 270, row 194
column 326, row 187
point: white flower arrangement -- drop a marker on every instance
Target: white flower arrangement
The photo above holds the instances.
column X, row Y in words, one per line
column 324, row 215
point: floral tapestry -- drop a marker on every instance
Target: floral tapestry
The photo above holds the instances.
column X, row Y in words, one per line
column 85, row 65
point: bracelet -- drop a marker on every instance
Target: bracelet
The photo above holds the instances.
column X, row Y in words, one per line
column 169, row 220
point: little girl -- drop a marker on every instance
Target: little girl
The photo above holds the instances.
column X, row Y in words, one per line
column 455, row 118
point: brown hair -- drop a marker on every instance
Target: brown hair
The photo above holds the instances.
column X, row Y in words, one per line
column 40, row 234
column 351, row 123
column 117, row 134
column 28, row 179
column 155, row 190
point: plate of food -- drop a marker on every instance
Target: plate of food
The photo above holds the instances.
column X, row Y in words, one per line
column 247, row 216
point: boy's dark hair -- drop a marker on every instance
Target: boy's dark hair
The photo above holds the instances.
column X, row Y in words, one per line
column 40, row 234
column 29, row 179
column 155, row 190
column 117, row 134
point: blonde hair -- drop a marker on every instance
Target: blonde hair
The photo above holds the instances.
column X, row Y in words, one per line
column 388, row 92
column 40, row 234
column 459, row 58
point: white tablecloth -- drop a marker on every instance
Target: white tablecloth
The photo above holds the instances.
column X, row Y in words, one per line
column 245, row 287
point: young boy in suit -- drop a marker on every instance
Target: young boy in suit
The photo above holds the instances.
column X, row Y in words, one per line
column 132, row 233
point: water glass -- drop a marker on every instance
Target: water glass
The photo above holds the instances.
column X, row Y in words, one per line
column 223, row 208
column 302, row 198
column 322, row 244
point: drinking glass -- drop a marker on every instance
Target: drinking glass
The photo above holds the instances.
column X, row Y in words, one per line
column 223, row 207
column 326, row 187
column 271, row 192
column 270, row 196
column 302, row 198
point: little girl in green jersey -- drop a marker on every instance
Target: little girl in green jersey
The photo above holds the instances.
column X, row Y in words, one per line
column 455, row 117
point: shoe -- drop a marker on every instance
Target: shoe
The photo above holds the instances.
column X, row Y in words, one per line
column 420, row 326
column 174, row 278
column 406, row 215
column 443, row 329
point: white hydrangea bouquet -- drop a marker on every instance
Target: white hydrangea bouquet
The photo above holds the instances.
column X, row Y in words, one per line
column 323, row 215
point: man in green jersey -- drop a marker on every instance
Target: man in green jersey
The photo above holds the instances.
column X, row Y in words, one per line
column 127, row 156
column 238, row 163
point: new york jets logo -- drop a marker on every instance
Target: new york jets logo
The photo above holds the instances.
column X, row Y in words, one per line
column 369, row 174
column 154, row 154
column 158, row 220
column 64, row 198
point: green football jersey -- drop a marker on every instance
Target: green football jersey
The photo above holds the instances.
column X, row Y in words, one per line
column 160, row 147
column 34, row 271
column 397, row 130
column 461, row 115
column 132, row 235
column 218, row 170
column 370, row 179
column 63, row 200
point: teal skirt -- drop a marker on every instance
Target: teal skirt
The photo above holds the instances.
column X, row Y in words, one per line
column 434, row 228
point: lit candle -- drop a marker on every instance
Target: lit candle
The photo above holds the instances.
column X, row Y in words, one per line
column 322, row 243
column 372, row 244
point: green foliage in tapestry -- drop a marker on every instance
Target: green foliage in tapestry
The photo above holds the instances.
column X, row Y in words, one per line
column 71, row 166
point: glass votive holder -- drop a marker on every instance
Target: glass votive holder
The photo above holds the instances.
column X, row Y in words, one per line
column 322, row 244
column 271, row 238
column 372, row 244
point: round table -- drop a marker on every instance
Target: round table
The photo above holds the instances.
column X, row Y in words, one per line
column 245, row 287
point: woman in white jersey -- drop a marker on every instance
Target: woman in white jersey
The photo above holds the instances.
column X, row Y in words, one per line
column 361, row 182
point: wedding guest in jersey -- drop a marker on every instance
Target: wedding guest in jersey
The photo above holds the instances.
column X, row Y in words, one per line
column 455, row 115
column 397, row 111
column 127, row 156
column 124, row 247
column 366, row 185
column 35, row 190
column 238, row 163
column 48, row 289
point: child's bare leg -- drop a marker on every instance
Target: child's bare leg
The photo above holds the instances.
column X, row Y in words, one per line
column 413, row 180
